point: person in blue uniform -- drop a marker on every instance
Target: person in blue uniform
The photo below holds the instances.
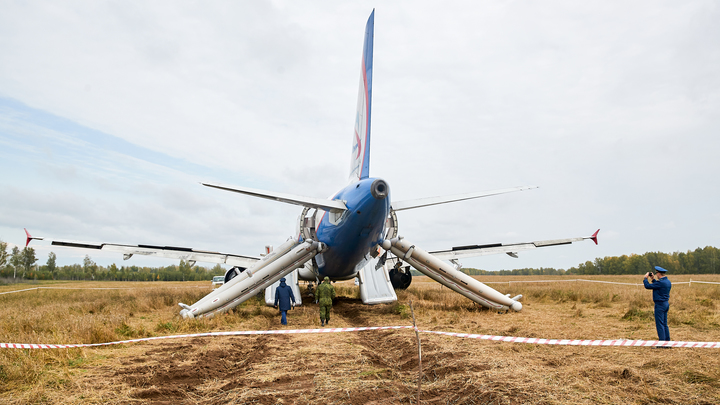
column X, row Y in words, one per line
column 661, row 295
column 284, row 296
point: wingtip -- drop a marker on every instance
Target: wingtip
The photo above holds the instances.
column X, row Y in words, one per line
column 29, row 238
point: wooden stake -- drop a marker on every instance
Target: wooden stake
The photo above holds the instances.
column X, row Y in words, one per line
column 417, row 336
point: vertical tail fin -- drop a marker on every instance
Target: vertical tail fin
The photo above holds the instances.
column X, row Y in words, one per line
column 360, row 159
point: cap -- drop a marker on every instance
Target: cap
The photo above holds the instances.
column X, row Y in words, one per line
column 326, row 278
column 282, row 280
column 660, row 269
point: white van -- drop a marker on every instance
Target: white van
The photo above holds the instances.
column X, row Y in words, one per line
column 218, row 281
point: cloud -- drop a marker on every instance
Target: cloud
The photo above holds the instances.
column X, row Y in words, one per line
column 111, row 114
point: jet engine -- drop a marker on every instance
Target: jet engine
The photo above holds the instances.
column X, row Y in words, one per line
column 232, row 273
column 400, row 278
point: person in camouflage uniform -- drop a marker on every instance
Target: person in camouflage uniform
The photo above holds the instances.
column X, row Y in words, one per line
column 324, row 294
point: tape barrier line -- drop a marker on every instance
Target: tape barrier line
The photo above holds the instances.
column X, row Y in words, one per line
column 570, row 342
column 589, row 281
column 16, row 291
column 487, row 282
column 508, row 339
column 563, row 281
column 207, row 334
column 528, row 281
column 609, row 282
column 97, row 288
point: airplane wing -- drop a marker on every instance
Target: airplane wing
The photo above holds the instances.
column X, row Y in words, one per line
column 511, row 249
column 169, row 252
column 425, row 202
column 324, row 204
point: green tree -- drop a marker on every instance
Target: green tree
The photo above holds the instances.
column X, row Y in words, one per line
column 51, row 264
column 113, row 271
column 89, row 267
column 27, row 259
column 186, row 270
column 217, row 270
column 587, row 268
column 3, row 254
column 15, row 260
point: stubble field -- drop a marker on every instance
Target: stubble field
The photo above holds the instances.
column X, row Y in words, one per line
column 377, row 367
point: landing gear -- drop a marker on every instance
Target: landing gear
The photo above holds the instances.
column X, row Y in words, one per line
column 310, row 290
column 400, row 277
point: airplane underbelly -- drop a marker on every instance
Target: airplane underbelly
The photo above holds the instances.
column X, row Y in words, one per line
column 347, row 249
column 343, row 255
column 351, row 237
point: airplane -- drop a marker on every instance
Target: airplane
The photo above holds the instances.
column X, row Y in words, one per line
column 353, row 234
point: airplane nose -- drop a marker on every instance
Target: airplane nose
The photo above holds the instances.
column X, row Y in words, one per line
column 379, row 189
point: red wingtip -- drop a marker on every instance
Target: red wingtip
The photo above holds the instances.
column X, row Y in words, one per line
column 594, row 236
column 29, row 238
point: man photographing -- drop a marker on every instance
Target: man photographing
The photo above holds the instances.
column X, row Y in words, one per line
column 661, row 295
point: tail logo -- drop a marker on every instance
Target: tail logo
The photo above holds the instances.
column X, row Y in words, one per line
column 360, row 129
column 357, row 145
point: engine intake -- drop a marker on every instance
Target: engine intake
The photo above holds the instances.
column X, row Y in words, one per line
column 232, row 273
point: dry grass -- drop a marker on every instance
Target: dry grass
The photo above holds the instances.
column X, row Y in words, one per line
column 377, row 366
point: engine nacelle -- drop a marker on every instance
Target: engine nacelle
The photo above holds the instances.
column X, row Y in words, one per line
column 232, row 273
column 400, row 279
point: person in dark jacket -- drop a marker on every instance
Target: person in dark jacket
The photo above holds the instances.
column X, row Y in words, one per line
column 661, row 295
column 284, row 295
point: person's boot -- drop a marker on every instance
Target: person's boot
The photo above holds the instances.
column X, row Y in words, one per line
column 322, row 322
column 327, row 321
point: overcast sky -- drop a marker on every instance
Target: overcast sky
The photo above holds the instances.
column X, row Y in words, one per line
column 112, row 112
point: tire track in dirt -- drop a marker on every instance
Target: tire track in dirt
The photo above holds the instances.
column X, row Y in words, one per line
column 394, row 357
column 173, row 371
column 351, row 310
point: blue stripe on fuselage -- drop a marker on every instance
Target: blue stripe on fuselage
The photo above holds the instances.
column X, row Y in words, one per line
column 359, row 230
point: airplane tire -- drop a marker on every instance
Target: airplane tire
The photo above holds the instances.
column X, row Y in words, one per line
column 399, row 280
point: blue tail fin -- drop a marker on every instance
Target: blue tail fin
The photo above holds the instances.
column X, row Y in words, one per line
column 360, row 159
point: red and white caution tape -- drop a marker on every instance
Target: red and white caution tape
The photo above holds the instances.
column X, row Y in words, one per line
column 570, row 342
column 233, row 333
column 509, row 339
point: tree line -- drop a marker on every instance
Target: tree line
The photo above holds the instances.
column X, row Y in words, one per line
column 21, row 264
column 698, row 261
